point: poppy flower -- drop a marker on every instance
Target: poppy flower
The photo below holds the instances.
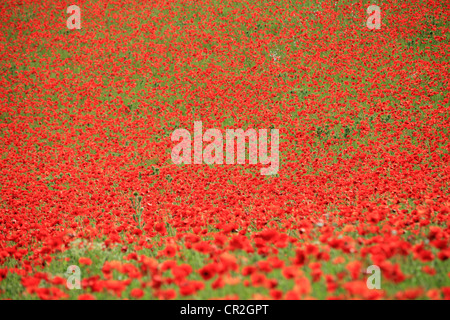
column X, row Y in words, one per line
column 85, row 261
column 137, row 293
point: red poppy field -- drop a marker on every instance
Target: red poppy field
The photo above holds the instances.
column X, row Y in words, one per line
column 87, row 180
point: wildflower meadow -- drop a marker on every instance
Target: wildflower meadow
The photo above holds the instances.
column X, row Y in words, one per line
column 209, row 149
